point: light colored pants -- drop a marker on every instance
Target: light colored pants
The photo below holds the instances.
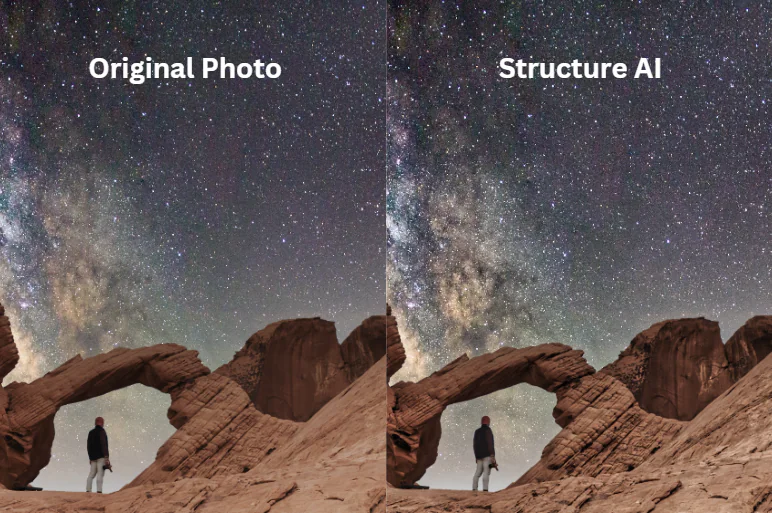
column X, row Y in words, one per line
column 484, row 470
column 98, row 470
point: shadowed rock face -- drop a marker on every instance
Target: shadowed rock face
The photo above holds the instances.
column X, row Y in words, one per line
column 364, row 346
column 9, row 355
column 395, row 353
column 290, row 369
column 749, row 345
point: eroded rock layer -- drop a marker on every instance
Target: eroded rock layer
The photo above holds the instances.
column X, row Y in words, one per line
column 721, row 462
column 331, row 464
column 675, row 368
column 604, row 432
column 220, row 430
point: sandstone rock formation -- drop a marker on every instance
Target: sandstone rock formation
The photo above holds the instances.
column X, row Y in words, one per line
column 225, row 453
column 749, row 345
column 9, row 356
column 30, row 407
column 676, row 368
column 333, row 463
column 364, row 346
column 604, row 432
column 721, row 462
column 414, row 418
column 613, row 455
column 395, row 352
column 219, row 431
column 290, row 369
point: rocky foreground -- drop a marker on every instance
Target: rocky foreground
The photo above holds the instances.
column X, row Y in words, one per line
column 679, row 423
column 248, row 439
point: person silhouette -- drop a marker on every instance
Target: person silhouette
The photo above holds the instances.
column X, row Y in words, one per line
column 484, row 453
column 98, row 454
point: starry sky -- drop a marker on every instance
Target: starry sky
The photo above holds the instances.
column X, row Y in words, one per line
column 522, row 212
column 188, row 211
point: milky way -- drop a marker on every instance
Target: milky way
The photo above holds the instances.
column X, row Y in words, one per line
column 577, row 211
column 191, row 212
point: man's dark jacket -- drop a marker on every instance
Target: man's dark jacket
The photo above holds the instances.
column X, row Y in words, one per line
column 483, row 443
column 97, row 444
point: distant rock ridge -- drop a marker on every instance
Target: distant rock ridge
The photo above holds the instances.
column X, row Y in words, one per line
column 675, row 367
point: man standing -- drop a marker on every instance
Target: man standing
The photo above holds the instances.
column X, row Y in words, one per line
column 98, row 454
column 484, row 453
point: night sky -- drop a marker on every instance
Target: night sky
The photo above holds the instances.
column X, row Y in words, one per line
column 522, row 212
column 184, row 211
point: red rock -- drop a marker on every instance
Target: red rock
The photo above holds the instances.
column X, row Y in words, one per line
column 676, row 368
column 333, row 463
column 290, row 369
column 605, row 432
column 719, row 462
column 364, row 346
column 226, row 455
column 395, row 352
column 749, row 345
column 614, row 456
column 414, row 420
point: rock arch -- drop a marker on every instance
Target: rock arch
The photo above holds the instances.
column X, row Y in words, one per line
column 415, row 408
column 597, row 412
column 28, row 409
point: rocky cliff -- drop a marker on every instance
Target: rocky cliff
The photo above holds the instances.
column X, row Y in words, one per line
column 676, row 368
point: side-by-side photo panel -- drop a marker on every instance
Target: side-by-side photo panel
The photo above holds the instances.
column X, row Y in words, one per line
column 579, row 259
column 192, row 247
